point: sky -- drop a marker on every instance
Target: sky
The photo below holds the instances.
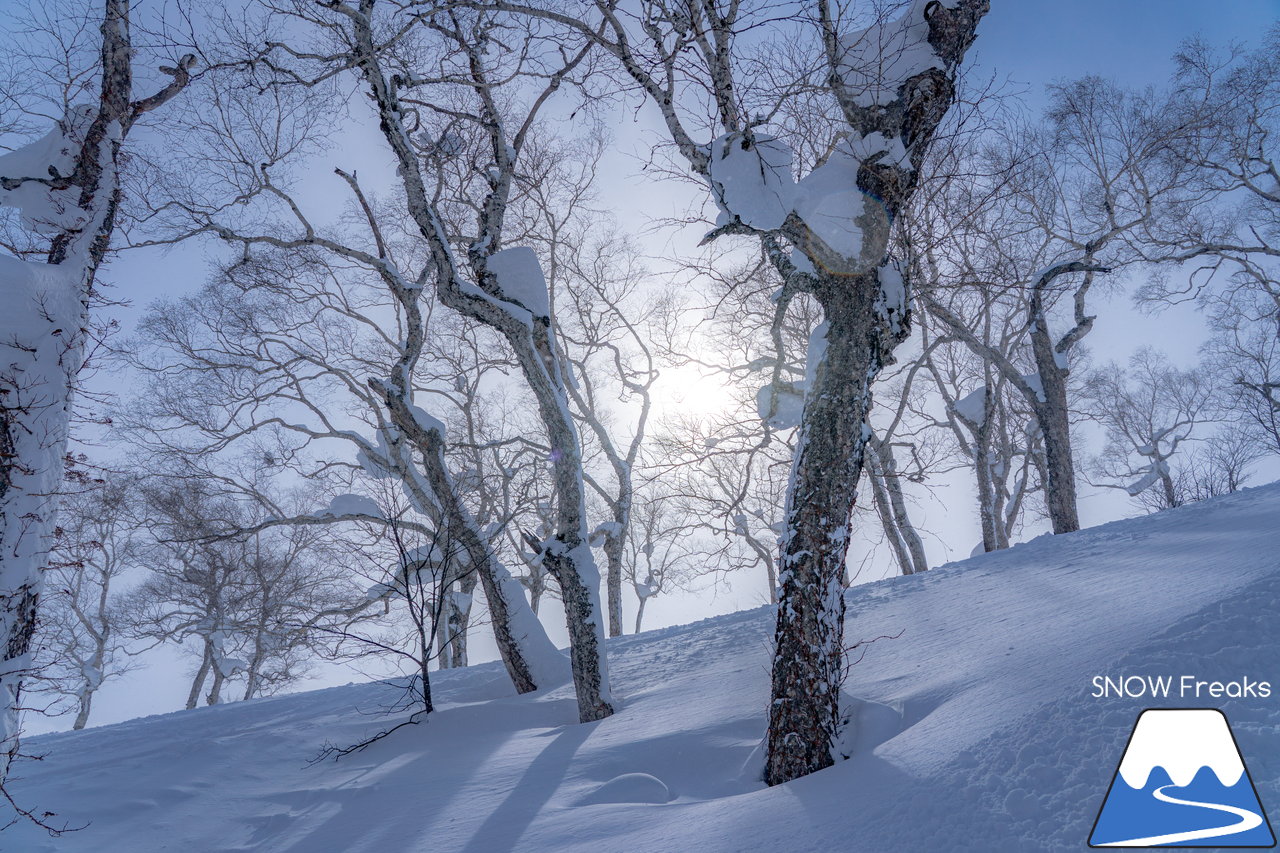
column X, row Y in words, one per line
column 1031, row 42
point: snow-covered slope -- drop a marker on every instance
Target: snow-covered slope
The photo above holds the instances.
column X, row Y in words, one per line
column 976, row 728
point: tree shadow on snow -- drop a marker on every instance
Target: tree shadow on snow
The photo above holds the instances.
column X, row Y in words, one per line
column 504, row 826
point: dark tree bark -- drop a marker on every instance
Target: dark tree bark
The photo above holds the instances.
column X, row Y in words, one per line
column 808, row 665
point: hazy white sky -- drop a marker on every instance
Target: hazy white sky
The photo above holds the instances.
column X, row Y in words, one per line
column 1033, row 42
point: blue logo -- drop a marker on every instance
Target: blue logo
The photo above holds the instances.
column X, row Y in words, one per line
column 1182, row 783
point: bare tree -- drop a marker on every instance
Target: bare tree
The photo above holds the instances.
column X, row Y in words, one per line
column 244, row 600
column 67, row 186
column 892, row 83
column 438, row 85
column 1149, row 412
column 83, row 632
column 1231, row 101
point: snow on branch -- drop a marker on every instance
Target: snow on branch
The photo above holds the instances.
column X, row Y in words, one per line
column 35, row 178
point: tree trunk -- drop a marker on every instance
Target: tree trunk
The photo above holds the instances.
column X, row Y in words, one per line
column 197, row 684
column 613, row 545
column 82, row 717
column 640, row 612
column 808, row 658
column 442, row 644
column 880, row 497
column 1060, row 489
column 215, row 690
column 530, row 658
column 37, row 386
column 459, row 620
column 888, row 467
column 865, row 304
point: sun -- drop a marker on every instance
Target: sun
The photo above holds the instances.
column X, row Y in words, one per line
column 692, row 390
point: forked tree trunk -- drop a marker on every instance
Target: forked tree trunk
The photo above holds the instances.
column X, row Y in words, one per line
column 862, row 331
column 567, row 556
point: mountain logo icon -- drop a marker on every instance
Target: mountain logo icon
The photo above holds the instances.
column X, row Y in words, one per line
column 1182, row 782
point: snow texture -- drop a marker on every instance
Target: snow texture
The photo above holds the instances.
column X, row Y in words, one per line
column 351, row 505
column 789, row 407
column 1037, row 387
column 876, row 61
column 426, row 422
column 829, row 202
column 520, row 278
column 751, row 179
column 974, row 730
column 47, row 210
column 972, row 406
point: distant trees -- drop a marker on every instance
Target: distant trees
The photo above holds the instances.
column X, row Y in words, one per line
column 243, row 599
column 1231, row 103
column 1149, row 411
column 83, row 638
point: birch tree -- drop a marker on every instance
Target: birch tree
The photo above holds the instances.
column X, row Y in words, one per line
column 1149, row 411
column 892, row 82
column 67, row 186
column 1094, row 190
column 83, row 632
column 456, row 106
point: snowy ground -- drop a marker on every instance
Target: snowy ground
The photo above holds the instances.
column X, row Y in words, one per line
column 978, row 730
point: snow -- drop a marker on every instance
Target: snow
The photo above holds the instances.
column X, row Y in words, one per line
column 38, row 299
column 878, row 59
column 751, row 179
column 789, row 408
column 893, row 292
column 426, row 422
column 974, row 730
column 428, row 555
column 46, row 210
column 1033, row 382
column 351, row 505
column 972, row 406
column 520, row 278
column 1158, row 469
column 829, row 202
column 604, row 530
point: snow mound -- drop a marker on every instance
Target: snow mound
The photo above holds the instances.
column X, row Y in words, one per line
column 629, row 788
column 351, row 505
column 751, row 179
column 520, row 278
column 878, row 59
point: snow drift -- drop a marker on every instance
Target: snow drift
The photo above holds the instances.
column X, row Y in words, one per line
column 974, row 724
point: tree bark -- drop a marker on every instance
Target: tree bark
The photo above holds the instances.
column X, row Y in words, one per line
column 862, row 330
column 1052, row 412
column 613, row 545
column 197, row 684
column 808, row 658
column 38, row 388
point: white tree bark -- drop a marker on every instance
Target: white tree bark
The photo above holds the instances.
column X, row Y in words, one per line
column 38, row 379
column 567, row 556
